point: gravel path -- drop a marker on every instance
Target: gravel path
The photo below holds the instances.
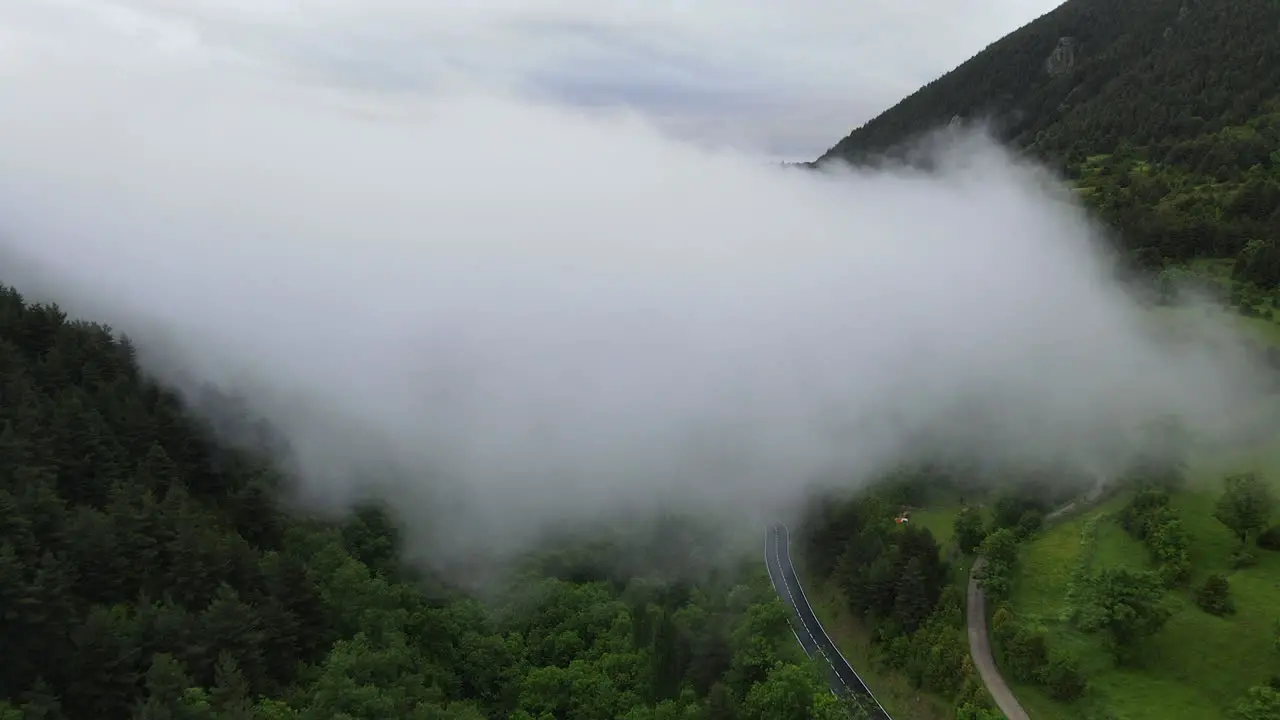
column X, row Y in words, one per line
column 980, row 649
column 980, row 638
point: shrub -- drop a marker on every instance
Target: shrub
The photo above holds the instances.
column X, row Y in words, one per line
column 1149, row 518
column 1001, row 552
column 1214, row 596
column 1003, row 624
column 973, row 696
column 970, row 711
column 1269, row 539
column 1242, row 558
column 969, row 532
column 1259, row 703
column 1134, row 516
column 1025, row 652
column 1063, row 679
column 1169, row 544
column 1029, row 523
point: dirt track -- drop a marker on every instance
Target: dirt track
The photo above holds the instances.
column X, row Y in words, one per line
column 980, row 639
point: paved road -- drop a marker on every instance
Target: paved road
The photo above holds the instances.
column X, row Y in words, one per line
column 815, row 641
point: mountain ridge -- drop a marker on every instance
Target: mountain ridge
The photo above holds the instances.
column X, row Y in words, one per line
column 1164, row 113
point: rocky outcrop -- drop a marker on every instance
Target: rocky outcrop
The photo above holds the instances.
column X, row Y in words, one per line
column 1063, row 58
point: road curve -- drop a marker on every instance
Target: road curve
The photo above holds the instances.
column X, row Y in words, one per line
column 980, row 649
column 844, row 680
column 980, row 637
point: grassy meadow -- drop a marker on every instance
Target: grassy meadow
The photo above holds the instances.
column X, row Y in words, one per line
column 1199, row 664
column 1195, row 668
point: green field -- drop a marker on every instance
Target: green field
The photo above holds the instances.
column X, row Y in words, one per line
column 1196, row 668
column 940, row 520
column 1200, row 664
column 1264, row 329
column 1265, row 326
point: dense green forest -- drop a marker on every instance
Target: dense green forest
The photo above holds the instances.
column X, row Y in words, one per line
column 1164, row 113
column 147, row 571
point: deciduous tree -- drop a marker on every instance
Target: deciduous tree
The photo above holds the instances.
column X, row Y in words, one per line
column 1246, row 505
column 1125, row 606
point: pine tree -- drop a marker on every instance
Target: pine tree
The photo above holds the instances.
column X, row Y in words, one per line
column 230, row 696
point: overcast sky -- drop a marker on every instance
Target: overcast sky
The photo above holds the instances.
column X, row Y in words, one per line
column 784, row 79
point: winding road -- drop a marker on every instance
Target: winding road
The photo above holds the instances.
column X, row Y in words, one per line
column 844, row 680
column 979, row 636
column 980, row 649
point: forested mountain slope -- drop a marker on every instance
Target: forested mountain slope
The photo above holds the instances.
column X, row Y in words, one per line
column 147, row 572
column 1166, row 113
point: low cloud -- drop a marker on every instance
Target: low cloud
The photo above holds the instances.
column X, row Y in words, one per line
column 514, row 316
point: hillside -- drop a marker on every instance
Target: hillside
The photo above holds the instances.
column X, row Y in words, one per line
column 1204, row 644
column 147, row 572
column 1166, row 114
column 1157, row 603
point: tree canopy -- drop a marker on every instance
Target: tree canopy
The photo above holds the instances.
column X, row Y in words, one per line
column 1246, row 505
column 147, row 571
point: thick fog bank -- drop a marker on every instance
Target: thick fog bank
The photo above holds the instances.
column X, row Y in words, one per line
column 529, row 315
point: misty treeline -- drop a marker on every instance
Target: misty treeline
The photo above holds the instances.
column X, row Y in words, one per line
column 1164, row 113
column 149, row 571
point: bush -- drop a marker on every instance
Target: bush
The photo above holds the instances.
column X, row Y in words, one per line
column 1149, row 518
column 1242, row 558
column 1029, row 524
column 1269, row 539
column 1024, row 651
column 1063, row 679
column 1000, row 550
column 1001, row 618
column 969, row 532
column 1173, row 574
column 1169, row 544
column 974, row 700
column 1260, row 702
column 1008, row 511
column 970, row 711
column 1214, row 596
column 1135, row 516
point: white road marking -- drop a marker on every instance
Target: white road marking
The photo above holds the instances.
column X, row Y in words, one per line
column 777, row 554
